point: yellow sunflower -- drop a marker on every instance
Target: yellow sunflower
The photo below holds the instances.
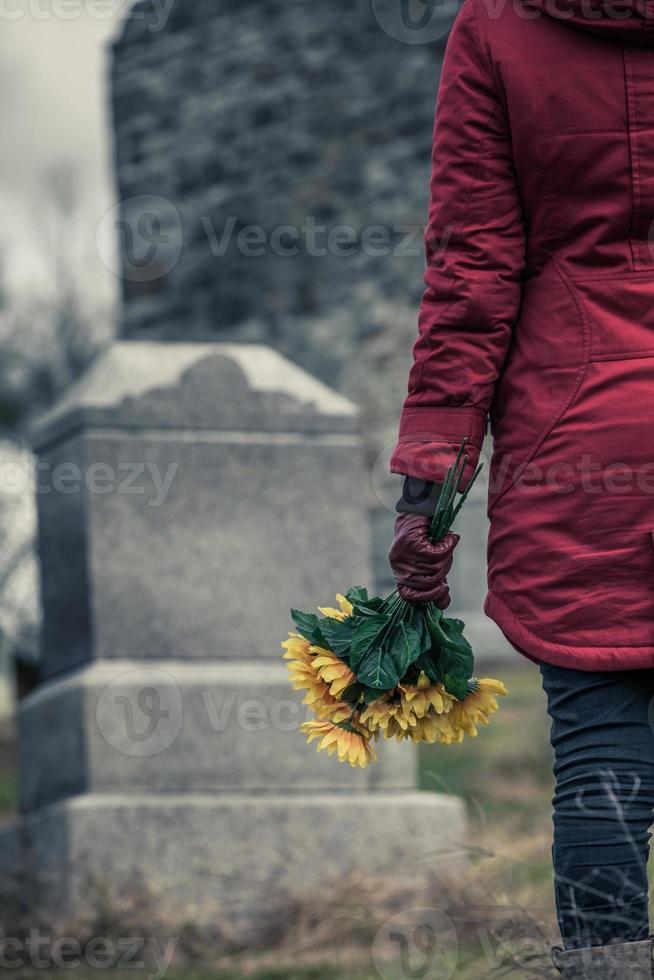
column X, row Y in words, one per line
column 350, row 745
column 477, row 706
column 328, row 709
column 396, row 731
column 346, row 609
column 296, row 648
column 320, row 701
column 426, row 729
column 304, row 676
column 332, row 670
column 423, row 696
column 390, row 717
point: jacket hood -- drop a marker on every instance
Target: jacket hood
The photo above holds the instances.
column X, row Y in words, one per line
column 624, row 20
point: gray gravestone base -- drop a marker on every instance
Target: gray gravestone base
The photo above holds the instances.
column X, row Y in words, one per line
column 190, row 495
column 224, row 859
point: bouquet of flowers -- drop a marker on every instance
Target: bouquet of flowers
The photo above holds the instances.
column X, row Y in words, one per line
column 386, row 667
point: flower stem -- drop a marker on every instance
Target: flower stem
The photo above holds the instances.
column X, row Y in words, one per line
column 446, row 507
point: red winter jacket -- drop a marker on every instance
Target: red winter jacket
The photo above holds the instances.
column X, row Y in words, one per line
column 539, row 311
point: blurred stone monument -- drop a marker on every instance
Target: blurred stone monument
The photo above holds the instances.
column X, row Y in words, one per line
column 273, row 164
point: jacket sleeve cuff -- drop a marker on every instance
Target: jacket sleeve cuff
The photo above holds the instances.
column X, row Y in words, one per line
column 430, row 438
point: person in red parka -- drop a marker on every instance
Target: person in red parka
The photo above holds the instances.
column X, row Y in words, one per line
column 538, row 323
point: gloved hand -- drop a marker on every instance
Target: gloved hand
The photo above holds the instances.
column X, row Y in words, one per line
column 421, row 568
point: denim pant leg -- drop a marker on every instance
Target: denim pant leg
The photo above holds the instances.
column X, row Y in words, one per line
column 604, row 768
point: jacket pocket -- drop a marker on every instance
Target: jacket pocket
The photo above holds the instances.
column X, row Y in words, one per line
column 541, row 378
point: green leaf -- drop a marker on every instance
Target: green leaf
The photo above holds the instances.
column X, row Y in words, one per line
column 309, row 626
column 377, row 670
column 380, row 660
column 370, row 694
column 403, row 646
column 429, row 662
column 338, row 635
column 455, row 658
column 449, row 633
column 357, row 594
column 433, row 616
column 457, row 663
column 364, row 604
column 366, row 635
column 453, row 629
column 355, row 692
column 426, row 640
column 370, row 608
column 352, row 693
column 456, row 685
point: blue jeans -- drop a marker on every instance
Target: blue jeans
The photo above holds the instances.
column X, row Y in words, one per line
column 603, row 740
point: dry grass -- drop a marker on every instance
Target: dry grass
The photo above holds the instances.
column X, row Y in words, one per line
column 352, row 930
column 501, row 906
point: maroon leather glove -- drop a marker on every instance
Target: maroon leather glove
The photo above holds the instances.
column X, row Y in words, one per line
column 421, row 568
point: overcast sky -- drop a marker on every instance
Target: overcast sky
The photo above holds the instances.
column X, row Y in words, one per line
column 53, row 87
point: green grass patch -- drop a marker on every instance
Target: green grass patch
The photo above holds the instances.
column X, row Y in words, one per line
column 507, row 769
